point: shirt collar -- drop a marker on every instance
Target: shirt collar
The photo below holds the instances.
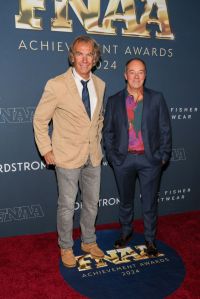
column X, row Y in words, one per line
column 128, row 94
column 77, row 76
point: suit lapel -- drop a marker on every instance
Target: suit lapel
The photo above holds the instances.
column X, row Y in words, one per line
column 122, row 103
column 98, row 94
column 145, row 106
column 72, row 88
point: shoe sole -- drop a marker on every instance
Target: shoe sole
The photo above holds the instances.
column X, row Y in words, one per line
column 69, row 266
column 120, row 247
column 151, row 255
column 93, row 256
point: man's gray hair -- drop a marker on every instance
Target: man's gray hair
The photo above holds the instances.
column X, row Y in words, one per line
column 85, row 39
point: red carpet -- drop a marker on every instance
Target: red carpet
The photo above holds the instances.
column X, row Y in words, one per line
column 29, row 264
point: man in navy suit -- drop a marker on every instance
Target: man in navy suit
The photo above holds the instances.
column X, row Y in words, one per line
column 137, row 140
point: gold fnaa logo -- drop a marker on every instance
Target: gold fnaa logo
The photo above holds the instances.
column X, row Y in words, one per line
column 115, row 257
column 154, row 12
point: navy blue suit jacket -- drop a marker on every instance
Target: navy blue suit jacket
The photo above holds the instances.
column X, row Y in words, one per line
column 156, row 129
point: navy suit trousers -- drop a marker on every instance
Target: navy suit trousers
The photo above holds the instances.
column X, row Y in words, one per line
column 149, row 178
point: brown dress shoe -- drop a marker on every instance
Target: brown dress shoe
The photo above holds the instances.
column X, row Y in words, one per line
column 93, row 249
column 68, row 258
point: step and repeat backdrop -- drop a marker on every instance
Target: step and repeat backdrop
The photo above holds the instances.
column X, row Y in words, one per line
column 34, row 41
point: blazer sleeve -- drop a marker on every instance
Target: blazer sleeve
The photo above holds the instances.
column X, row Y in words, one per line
column 101, row 116
column 42, row 117
column 165, row 131
column 108, row 130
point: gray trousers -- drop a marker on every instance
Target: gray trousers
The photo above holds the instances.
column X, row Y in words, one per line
column 87, row 178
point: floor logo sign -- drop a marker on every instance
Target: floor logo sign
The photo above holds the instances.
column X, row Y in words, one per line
column 125, row 273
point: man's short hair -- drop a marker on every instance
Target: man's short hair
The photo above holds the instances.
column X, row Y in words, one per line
column 135, row 59
column 85, row 39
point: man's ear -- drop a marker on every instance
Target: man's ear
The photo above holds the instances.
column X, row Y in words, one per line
column 72, row 58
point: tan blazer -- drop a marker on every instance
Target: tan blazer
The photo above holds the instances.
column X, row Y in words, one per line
column 74, row 135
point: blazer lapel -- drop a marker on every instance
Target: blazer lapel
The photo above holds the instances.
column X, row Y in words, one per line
column 72, row 88
column 145, row 106
column 99, row 101
column 122, row 102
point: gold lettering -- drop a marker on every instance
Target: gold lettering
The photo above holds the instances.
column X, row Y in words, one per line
column 88, row 16
column 134, row 27
column 26, row 18
column 115, row 256
column 61, row 22
column 128, row 255
column 100, row 263
column 137, row 16
column 121, row 256
column 162, row 20
column 128, row 16
column 83, row 262
column 142, row 254
column 112, row 257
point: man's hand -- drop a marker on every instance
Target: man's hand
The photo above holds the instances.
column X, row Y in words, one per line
column 49, row 158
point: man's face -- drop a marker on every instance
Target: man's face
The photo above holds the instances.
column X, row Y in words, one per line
column 135, row 74
column 83, row 58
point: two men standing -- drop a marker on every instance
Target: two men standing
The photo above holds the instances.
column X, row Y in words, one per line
column 137, row 139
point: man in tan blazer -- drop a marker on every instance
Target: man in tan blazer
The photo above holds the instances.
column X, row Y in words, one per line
column 74, row 101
